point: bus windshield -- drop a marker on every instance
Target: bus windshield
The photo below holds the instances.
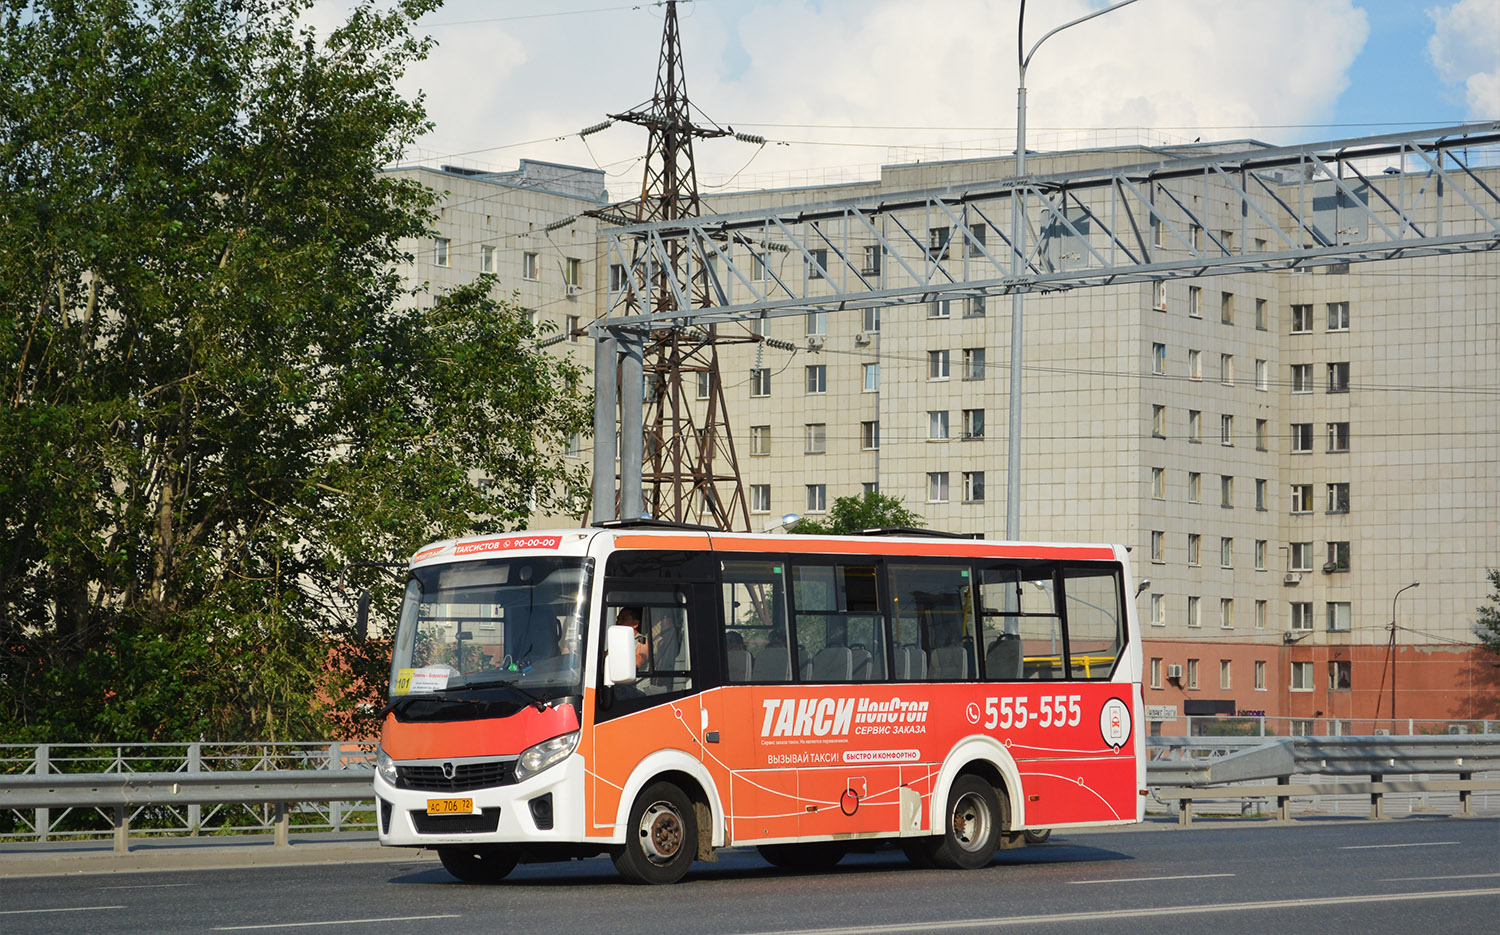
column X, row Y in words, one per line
column 517, row 623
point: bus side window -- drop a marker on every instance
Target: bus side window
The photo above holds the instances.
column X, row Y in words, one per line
column 839, row 624
column 1096, row 622
column 933, row 607
column 756, row 648
column 1022, row 631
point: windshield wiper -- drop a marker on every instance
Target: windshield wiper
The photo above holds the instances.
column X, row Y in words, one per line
column 399, row 706
column 536, row 700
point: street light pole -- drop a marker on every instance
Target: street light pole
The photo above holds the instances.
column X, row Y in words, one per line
column 1018, row 265
column 1393, row 647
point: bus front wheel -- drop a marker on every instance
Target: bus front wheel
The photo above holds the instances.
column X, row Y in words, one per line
column 479, row 863
column 661, row 836
column 972, row 825
column 1038, row 835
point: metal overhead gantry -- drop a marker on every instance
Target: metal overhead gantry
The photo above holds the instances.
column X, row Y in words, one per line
column 1255, row 210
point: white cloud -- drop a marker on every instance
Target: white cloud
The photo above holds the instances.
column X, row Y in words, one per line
column 1465, row 48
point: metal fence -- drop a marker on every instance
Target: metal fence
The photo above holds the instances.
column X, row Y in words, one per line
column 1257, row 726
column 220, row 788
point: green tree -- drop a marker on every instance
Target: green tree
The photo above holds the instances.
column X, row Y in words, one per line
column 852, row 514
column 215, row 389
column 1487, row 627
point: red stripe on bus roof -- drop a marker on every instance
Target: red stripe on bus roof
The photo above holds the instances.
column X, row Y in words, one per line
column 811, row 545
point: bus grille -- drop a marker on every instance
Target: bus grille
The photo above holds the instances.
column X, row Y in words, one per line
column 465, row 776
column 484, row 823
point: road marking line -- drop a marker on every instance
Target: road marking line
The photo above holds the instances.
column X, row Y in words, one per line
column 147, row 886
column 1186, row 876
column 1152, row 912
column 1459, row 876
column 1372, row 847
column 22, row 912
column 296, row 925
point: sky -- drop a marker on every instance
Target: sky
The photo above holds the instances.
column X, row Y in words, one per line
column 840, row 87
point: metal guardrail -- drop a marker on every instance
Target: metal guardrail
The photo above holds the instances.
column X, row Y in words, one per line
column 1192, row 776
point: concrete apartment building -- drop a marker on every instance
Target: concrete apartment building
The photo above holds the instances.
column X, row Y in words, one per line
column 1284, row 451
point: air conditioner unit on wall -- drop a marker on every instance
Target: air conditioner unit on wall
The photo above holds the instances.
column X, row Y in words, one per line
column 1174, row 672
column 1292, row 578
column 862, row 338
column 815, row 341
column 574, row 290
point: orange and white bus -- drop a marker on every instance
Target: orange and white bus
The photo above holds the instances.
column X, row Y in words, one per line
column 657, row 692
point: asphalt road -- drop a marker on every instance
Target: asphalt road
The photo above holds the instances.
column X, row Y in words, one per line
column 1412, row 875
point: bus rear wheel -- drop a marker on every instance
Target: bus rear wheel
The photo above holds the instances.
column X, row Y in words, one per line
column 971, row 827
column 479, row 863
column 819, row 855
column 661, row 836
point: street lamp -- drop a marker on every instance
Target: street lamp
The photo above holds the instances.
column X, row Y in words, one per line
column 1017, row 265
column 1393, row 645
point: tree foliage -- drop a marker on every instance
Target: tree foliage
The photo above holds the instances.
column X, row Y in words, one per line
column 852, row 514
column 216, row 390
column 1487, row 626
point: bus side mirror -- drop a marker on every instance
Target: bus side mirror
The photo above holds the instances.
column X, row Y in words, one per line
column 362, row 615
column 619, row 665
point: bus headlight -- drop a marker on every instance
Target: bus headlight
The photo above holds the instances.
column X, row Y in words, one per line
column 536, row 758
column 385, row 766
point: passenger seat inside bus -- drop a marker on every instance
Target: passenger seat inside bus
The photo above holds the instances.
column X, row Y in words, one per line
column 1003, row 660
column 833, row 664
column 911, row 662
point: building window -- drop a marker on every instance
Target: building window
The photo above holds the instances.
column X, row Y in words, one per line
column 1302, row 437
column 1260, row 312
column 1302, row 676
column 871, row 378
column 973, row 363
column 760, row 440
column 1158, row 483
column 575, row 445
column 1260, row 554
column 871, row 265
column 1338, row 557
column 1158, row 545
column 973, row 424
column 1338, row 675
column 1338, row 377
column 758, row 271
column 817, row 264
column 1339, row 618
column 486, row 259
column 817, row 378
column 704, row 381
column 1260, row 493
column 1158, row 610
column 1226, row 369
column 1159, row 293
column 529, row 266
column 1156, row 672
column 1338, row 437
column 1195, row 426
column 815, row 438
column 1159, row 421
column 937, row 365
column 1195, row 237
column 1226, row 308
column 1158, row 358
column 1301, row 319
column 440, row 251
column 1195, row 365
column 1338, row 316
column 1226, row 552
column 872, row 319
column 937, row 425
column 616, row 277
column 1302, row 378
column 1302, row 618
column 1262, row 433
column 760, row 381
column 1158, row 231
column 1226, row 491
column 1338, row 498
column 1262, row 611
column 1226, row 430
column 1195, row 487
column 937, row 242
column 973, row 486
column 939, row 309
column 817, row 323
column 573, row 272
column 869, row 435
column 1194, row 548
column 1224, row 675
column 1262, row 375
column 1260, row 675
column 760, row 498
column 974, row 307
column 1300, row 556
column 937, row 486
column 761, row 326
column 571, row 326
column 1195, row 302
column 869, row 487
column 817, row 498
column 1302, row 498
column 1192, row 674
